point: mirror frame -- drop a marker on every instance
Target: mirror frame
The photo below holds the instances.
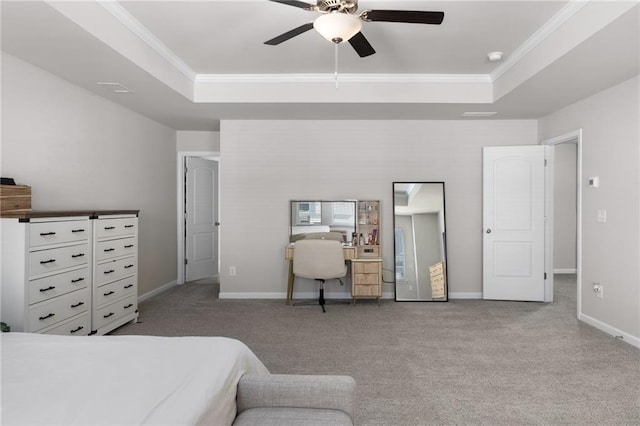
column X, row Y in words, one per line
column 444, row 243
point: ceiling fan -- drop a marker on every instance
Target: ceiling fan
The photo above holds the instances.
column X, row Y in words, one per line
column 339, row 22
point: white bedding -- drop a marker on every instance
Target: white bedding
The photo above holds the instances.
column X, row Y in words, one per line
column 123, row 380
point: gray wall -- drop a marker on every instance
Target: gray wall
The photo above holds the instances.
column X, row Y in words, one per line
column 611, row 251
column 198, row 141
column 80, row 151
column 408, row 289
column 428, row 249
column 564, row 208
column 267, row 163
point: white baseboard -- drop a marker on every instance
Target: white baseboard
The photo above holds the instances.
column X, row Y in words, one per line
column 232, row 295
column 297, row 295
column 156, row 291
column 457, row 295
column 625, row 337
column 565, row 271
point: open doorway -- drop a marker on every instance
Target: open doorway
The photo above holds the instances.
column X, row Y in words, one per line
column 198, row 208
column 567, row 214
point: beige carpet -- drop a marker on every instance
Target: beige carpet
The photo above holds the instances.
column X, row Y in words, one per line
column 460, row 362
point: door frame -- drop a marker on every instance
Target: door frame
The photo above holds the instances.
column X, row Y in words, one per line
column 181, row 157
column 573, row 137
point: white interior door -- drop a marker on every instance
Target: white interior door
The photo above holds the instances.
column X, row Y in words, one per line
column 514, row 223
column 201, row 218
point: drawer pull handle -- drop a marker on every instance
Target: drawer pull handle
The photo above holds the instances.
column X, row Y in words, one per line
column 109, row 293
column 128, row 286
column 110, row 271
column 77, row 280
column 128, row 246
column 108, row 315
column 46, row 316
column 51, row 287
column 109, row 249
column 128, row 266
column 77, row 230
column 77, row 304
column 128, row 226
column 44, row 234
column 128, row 306
column 42, row 262
column 73, row 256
column 75, row 330
column 109, row 228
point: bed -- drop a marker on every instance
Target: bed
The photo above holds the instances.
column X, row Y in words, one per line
column 122, row 380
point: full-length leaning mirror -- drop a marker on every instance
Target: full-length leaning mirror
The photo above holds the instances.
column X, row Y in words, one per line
column 420, row 241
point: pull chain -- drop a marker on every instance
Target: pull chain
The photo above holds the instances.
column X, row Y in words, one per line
column 335, row 74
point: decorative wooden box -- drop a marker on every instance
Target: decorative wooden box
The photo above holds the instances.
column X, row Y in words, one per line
column 15, row 198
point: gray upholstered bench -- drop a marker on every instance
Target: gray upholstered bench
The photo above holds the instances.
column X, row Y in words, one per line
column 290, row 399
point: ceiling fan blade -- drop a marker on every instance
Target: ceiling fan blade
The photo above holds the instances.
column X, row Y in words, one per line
column 361, row 45
column 295, row 3
column 289, row 34
column 408, row 16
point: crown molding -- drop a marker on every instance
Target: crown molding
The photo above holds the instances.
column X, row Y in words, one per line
column 559, row 19
column 133, row 25
column 343, row 78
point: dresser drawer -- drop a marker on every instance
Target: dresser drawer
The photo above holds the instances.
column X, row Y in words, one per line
column 366, row 291
column 79, row 326
column 365, row 267
column 116, row 248
column 115, row 269
column 366, row 279
column 436, row 269
column 46, row 233
column 115, row 310
column 57, row 285
column 106, row 228
column 44, row 261
column 365, row 251
column 115, row 290
column 52, row 311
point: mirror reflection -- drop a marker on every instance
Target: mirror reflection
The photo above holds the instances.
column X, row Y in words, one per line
column 323, row 219
column 419, row 241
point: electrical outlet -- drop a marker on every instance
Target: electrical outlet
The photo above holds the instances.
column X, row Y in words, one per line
column 232, row 271
column 598, row 290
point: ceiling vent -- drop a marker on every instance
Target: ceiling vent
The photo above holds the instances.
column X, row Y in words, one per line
column 479, row 113
column 114, row 87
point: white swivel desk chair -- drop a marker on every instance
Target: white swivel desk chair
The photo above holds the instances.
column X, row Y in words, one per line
column 319, row 260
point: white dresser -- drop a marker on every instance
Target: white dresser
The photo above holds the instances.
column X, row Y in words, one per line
column 69, row 272
column 46, row 274
column 115, row 271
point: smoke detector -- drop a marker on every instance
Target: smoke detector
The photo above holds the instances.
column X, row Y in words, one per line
column 494, row 56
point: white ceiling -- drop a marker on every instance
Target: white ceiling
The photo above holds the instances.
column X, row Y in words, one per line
column 192, row 63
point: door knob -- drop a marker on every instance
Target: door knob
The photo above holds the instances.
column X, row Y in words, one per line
column 217, row 224
column 489, row 231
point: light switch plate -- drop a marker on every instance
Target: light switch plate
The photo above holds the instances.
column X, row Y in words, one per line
column 602, row 216
column 594, row 182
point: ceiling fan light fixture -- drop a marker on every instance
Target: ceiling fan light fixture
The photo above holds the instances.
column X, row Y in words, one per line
column 337, row 27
